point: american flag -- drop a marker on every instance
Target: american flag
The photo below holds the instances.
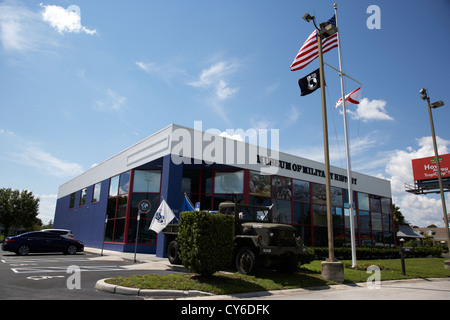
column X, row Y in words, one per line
column 310, row 49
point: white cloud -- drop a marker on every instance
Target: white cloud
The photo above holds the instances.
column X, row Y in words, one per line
column 215, row 79
column 65, row 20
column 368, row 110
column 166, row 72
column 22, row 29
column 224, row 92
column 113, row 102
column 45, row 162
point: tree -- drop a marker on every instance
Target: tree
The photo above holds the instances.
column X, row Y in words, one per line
column 399, row 219
column 18, row 209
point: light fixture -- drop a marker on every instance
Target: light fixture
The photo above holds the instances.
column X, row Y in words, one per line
column 423, row 92
column 307, row 17
column 437, row 104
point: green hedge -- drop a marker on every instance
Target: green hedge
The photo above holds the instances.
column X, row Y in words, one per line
column 376, row 253
column 206, row 241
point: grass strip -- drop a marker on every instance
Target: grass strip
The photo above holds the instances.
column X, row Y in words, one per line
column 308, row 276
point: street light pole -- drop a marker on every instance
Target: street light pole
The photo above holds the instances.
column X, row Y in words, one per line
column 438, row 165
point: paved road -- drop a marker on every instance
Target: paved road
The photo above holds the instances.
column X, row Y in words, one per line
column 46, row 276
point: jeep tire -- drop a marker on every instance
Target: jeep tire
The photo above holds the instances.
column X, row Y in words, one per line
column 246, row 261
column 172, row 253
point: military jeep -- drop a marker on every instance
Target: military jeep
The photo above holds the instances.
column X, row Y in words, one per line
column 259, row 241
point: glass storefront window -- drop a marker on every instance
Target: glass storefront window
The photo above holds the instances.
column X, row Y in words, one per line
column 346, row 200
column 363, row 201
column 387, row 222
column 138, row 197
column 145, row 236
column 319, row 215
column 320, row 237
column 319, row 195
column 117, row 207
column 281, row 211
column 119, row 230
column 281, row 187
column 302, row 213
column 338, row 217
column 124, row 184
column 191, row 181
column 376, row 221
column 229, row 182
column 336, row 197
column 386, row 205
column 366, row 238
column 122, row 206
column 259, row 184
column 146, row 181
column 375, row 203
column 364, row 220
column 378, row 239
column 301, row 190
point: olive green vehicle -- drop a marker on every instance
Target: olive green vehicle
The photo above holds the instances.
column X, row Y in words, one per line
column 259, row 241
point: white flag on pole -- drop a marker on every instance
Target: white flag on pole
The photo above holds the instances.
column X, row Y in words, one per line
column 163, row 216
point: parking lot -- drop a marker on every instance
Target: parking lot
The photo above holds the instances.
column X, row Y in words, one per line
column 57, row 276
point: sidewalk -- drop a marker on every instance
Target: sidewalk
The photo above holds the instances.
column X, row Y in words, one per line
column 140, row 257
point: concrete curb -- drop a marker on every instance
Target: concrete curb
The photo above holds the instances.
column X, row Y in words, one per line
column 101, row 285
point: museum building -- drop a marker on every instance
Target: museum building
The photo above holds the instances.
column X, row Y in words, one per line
column 100, row 206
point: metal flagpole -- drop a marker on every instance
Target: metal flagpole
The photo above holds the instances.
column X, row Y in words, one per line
column 349, row 177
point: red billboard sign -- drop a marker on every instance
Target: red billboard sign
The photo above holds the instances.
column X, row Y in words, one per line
column 426, row 168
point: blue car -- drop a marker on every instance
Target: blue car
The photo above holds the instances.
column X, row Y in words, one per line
column 41, row 241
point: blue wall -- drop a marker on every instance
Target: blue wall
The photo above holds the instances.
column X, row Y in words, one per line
column 86, row 222
column 171, row 178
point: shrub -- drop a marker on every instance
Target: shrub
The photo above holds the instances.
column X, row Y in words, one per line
column 307, row 257
column 206, row 241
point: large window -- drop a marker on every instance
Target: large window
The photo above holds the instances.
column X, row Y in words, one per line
column 146, row 186
column 117, row 207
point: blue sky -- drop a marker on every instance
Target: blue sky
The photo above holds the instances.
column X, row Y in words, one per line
column 77, row 89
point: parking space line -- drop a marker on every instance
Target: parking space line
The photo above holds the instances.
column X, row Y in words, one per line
column 64, row 269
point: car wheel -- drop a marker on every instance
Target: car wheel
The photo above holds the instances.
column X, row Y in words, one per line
column 72, row 249
column 23, row 250
column 246, row 261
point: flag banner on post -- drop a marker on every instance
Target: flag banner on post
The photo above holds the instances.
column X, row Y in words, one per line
column 352, row 98
column 310, row 83
column 162, row 217
column 310, row 49
column 187, row 204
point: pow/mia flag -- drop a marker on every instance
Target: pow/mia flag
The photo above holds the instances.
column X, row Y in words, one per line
column 310, row 83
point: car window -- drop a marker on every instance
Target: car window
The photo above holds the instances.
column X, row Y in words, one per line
column 50, row 235
column 36, row 235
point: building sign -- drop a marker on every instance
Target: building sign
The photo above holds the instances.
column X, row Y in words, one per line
column 300, row 168
column 426, row 168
